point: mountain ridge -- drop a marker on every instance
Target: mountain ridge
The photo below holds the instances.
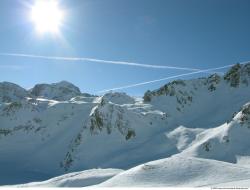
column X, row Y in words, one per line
column 49, row 131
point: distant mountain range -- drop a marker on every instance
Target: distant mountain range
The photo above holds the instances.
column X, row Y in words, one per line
column 186, row 133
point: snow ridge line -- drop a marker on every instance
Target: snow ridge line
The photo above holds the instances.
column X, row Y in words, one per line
column 166, row 78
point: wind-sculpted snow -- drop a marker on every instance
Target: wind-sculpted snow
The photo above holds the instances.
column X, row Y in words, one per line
column 179, row 171
column 55, row 129
column 77, row 179
column 228, row 142
column 183, row 137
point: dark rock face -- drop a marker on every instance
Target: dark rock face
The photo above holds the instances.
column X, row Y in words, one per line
column 245, row 117
column 233, row 75
column 238, row 74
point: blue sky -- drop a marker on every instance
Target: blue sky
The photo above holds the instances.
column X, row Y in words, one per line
column 192, row 33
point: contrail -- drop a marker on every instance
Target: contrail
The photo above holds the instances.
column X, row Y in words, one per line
column 167, row 78
column 15, row 67
column 97, row 61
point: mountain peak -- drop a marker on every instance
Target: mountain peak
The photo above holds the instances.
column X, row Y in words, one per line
column 118, row 98
column 11, row 92
column 237, row 75
column 119, row 131
column 58, row 91
column 64, row 83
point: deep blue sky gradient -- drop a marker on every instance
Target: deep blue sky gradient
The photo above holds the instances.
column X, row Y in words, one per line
column 185, row 33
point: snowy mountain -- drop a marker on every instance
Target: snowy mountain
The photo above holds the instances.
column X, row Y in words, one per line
column 192, row 125
column 57, row 91
column 213, row 99
column 10, row 92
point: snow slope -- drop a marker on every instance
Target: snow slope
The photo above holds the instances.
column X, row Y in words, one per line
column 179, row 172
column 77, row 179
column 237, row 184
column 209, row 101
column 228, row 142
column 55, row 129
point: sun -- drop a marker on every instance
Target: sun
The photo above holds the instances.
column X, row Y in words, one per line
column 47, row 16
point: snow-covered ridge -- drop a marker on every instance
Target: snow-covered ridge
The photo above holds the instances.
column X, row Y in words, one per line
column 178, row 171
column 238, row 75
column 57, row 91
column 60, row 91
column 118, row 98
column 10, row 92
column 215, row 93
column 206, row 118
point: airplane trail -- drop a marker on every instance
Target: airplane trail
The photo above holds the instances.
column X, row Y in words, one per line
column 166, row 78
column 84, row 59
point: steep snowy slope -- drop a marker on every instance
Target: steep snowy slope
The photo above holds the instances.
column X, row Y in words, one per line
column 209, row 101
column 228, row 142
column 79, row 134
column 183, row 137
column 179, row 171
column 55, row 129
column 35, row 136
column 119, row 136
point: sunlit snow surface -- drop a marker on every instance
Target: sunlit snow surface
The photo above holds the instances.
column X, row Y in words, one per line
column 191, row 133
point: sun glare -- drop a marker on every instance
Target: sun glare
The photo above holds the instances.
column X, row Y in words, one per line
column 47, row 16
